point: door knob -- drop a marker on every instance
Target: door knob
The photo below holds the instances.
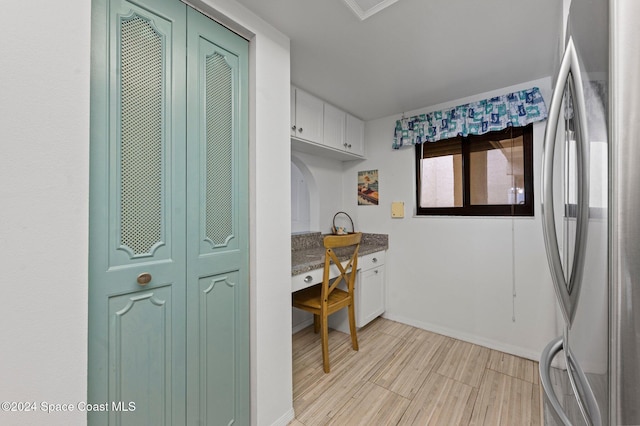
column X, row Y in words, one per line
column 144, row 278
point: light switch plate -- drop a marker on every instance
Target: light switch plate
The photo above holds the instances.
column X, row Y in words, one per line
column 397, row 209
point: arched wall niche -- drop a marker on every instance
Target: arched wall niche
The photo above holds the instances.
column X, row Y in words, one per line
column 304, row 198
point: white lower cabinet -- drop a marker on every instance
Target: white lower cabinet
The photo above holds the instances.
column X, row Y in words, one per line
column 370, row 297
column 369, row 291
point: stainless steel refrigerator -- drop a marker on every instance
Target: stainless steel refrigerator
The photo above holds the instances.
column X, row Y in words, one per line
column 590, row 374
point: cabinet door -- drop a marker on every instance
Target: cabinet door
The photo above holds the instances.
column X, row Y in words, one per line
column 370, row 292
column 370, row 296
column 292, row 111
column 309, row 117
column 355, row 135
column 334, row 127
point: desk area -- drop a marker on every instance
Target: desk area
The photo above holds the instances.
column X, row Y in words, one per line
column 307, row 251
column 307, row 261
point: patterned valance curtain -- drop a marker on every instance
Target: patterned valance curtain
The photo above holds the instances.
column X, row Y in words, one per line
column 475, row 118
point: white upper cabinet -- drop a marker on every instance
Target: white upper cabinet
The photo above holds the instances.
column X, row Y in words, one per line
column 309, row 122
column 354, row 141
column 321, row 129
column 334, row 127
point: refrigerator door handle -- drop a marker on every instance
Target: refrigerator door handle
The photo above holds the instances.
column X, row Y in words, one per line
column 567, row 293
column 547, row 356
column 582, row 151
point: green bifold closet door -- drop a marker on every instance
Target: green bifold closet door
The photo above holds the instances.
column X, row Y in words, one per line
column 168, row 263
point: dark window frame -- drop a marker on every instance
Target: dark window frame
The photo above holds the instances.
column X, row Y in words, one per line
column 468, row 209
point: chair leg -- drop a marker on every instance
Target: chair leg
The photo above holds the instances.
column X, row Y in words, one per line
column 352, row 326
column 324, row 337
column 316, row 323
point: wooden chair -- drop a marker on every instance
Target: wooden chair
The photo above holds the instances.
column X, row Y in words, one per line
column 325, row 298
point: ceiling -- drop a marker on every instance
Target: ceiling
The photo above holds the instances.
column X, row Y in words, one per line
column 414, row 53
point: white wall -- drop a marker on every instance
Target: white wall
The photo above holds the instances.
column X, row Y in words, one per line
column 427, row 286
column 44, row 171
column 44, row 137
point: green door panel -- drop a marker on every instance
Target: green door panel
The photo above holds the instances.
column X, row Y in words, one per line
column 219, row 303
column 217, row 214
column 140, row 346
column 137, row 219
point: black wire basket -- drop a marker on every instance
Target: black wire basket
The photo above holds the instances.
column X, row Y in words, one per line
column 341, row 230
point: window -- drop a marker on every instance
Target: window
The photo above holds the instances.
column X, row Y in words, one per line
column 478, row 175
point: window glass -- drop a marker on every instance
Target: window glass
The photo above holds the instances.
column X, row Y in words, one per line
column 497, row 171
column 441, row 174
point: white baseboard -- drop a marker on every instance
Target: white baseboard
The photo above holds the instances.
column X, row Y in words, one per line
column 488, row 343
column 285, row 418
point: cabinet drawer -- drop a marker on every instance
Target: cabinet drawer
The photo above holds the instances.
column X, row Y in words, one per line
column 306, row 279
column 371, row 260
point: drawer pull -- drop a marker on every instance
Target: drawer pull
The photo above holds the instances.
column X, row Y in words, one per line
column 308, row 279
column 376, row 271
column 374, row 260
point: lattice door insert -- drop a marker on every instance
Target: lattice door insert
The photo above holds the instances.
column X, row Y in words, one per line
column 219, row 128
column 141, row 158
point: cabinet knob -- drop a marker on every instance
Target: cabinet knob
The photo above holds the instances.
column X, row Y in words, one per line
column 344, row 144
column 374, row 260
column 349, row 146
column 308, row 279
column 144, row 278
column 376, row 271
column 300, row 129
column 293, row 127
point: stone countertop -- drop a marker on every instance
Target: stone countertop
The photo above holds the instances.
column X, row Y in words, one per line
column 307, row 250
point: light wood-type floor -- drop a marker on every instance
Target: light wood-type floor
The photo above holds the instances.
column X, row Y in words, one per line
column 403, row 375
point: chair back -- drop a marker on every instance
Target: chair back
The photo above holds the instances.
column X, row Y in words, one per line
column 334, row 251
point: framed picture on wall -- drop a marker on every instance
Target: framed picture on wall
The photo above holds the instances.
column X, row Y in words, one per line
column 368, row 188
